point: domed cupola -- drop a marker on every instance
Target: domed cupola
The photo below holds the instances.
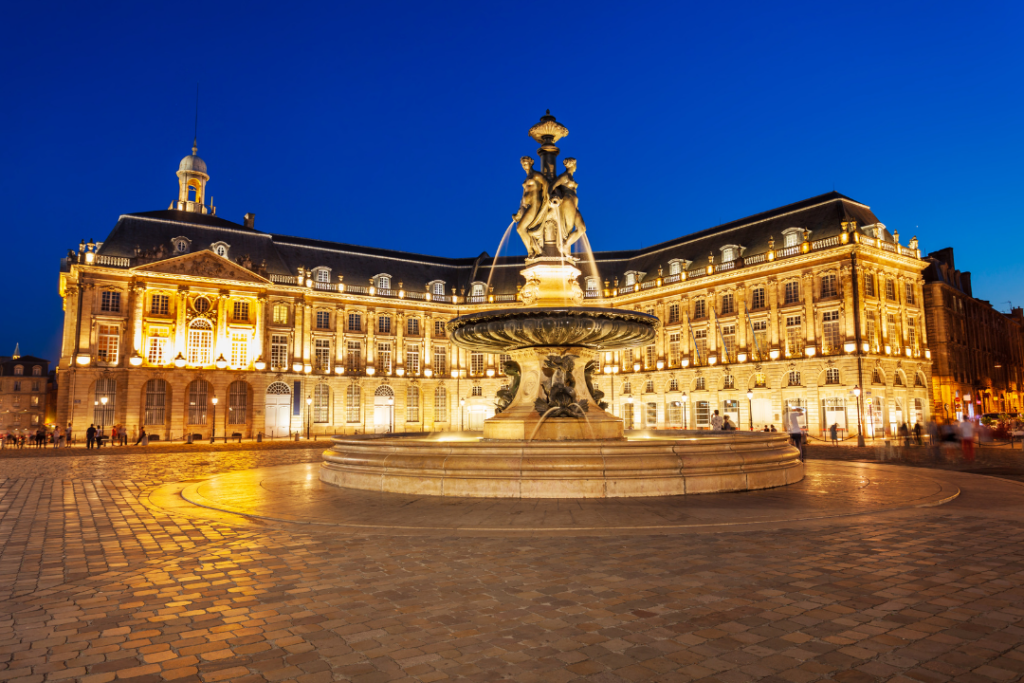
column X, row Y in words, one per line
column 192, row 178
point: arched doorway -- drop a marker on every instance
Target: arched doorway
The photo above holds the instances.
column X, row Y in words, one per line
column 383, row 410
column 278, row 407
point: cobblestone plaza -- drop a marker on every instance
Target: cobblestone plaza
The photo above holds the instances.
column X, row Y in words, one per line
column 108, row 573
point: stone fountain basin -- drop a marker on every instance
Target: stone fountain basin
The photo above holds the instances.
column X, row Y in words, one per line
column 648, row 463
column 603, row 329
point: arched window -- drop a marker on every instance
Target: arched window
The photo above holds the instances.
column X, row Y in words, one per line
column 412, row 404
column 674, row 268
column 323, row 275
column 919, row 380
column 760, row 380
column 238, row 403
column 103, row 415
column 19, row 370
column 198, row 395
column 222, row 250
column 897, row 379
column 321, row 404
column 37, row 371
column 876, row 377
column 191, row 193
column 478, row 289
column 832, row 376
column 200, row 343
column 440, row 405
column 383, row 282
column 156, row 402
column 181, row 246
column 437, row 289
column 352, row 403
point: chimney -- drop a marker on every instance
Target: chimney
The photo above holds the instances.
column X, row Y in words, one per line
column 965, row 284
column 250, row 220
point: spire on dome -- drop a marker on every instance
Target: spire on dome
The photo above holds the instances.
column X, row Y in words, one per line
column 17, row 351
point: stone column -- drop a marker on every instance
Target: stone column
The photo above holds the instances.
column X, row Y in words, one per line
column 846, row 289
column 180, row 325
column 85, row 333
column 297, row 332
column 139, row 299
column 307, row 331
column 260, row 340
column 70, row 304
column 712, row 304
column 923, row 332
column 772, row 292
column 371, row 350
column 398, row 355
column 807, row 285
column 222, row 345
column 340, row 321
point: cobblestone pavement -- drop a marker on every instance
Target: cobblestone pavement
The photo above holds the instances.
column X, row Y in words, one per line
column 97, row 586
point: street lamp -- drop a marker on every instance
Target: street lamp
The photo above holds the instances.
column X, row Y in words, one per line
column 860, row 425
column 309, row 414
column 636, row 366
column 213, row 425
column 684, row 399
column 103, row 413
column 750, row 407
column 462, row 411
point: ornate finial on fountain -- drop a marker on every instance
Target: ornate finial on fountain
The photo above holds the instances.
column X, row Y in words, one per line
column 548, row 131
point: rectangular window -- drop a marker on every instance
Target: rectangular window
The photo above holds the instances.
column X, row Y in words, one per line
column 792, row 293
column 673, row 313
column 352, row 396
column 384, row 324
column 477, row 391
column 240, row 312
column 502, row 359
column 157, row 350
column 728, row 305
column 674, row 414
column 34, row 400
column 35, row 385
column 160, row 304
column 760, row 328
column 440, row 405
column 321, row 403
column 354, row 356
column 384, row 357
column 911, row 334
column 280, row 314
column 651, row 415
column 355, row 322
column 412, row 359
column 412, row 404
column 673, row 350
column 323, row 320
column 109, row 336
column 700, row 345
column 476, row 363
column 699, row 309
column 757, row 300
column 890, row 290
column 322, row 354
column 650, row 353
column 439, row 328
column 830, row 332
column 893, row 331
column 413, row 326
column 910, row 293
column 869, row 285
column 239, row 349
column 794, row 337
column 828, row 286
column 238, row 403
column 440, row 360
column 110, row 302
column 870, row 332
column 728, row 343
column 703, row 414
column 156, row 399
column 278, row 351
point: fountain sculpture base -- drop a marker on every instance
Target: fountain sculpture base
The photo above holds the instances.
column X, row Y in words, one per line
column 646, row 464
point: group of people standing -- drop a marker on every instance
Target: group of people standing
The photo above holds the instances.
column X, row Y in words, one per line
column 118, row 437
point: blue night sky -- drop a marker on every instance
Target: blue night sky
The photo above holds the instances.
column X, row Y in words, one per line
column 401, row 124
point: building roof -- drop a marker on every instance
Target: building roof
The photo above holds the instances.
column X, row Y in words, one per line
column 284, row 254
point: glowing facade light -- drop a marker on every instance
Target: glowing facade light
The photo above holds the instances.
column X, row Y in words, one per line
column 741, row 357
column 307, row 368
column 850, row 347
column 490, row 372
column 221, row 362
column 636, row 367
column 428, row 372
column 260, row 364
column 810, row 351
column 179, row 360
column 370, row 370
column 296, row 367
column 660, row 364
column 774, row 354
column 83, row 359
column 339, row 369
column 135, row 360
column 400, row 371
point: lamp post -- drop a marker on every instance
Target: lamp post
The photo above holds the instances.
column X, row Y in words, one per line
column 103, row 413
column 860, row 425
column 213, row 424
column 309, row 414
column 684, row 399
column 462, row 411
column 750, row 408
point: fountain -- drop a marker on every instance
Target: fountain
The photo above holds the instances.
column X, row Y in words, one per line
column 551, row 436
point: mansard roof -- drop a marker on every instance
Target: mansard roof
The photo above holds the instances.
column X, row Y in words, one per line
column 284, row 254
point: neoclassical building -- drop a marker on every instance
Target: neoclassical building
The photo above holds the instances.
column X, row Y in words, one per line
column 186, row 322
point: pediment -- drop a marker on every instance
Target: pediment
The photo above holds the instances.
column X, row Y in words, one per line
column 203, row 264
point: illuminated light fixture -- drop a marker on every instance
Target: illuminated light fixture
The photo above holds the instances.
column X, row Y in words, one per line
column 462, row 402
column 401, row 294
column 309, row 282
column 90, row 256
column 296, row 367
column 220, row 362
column 771, row 255
column 490, row 372
column 927, row 353
column 659, row 282
column 215, row 400
column 660, row 364
column 888, row 350
column 750, row 395
column 260, row 364
column 741, row 357
column 339, row 369
column 810, row 351
column 400, row 371
column 712, row 360
column 373, row 290
column 307, row 368
column 179, row 360
column 856, row 391
column 636, row 287
column 455, row 373
column 341, row 287
column 636, row 367
column 135, row 360
column 427, row 372
column 774, row 354
column 844, row 237
column 629, row 399
column 370, row 370
column 83, row 359
column 711, row 270
column 686, row 362
column 866, row 347
column 850, row 347
column 428, row 296
column 910, row 353
column 490, row 299
column 455, row 298
column 805, row 247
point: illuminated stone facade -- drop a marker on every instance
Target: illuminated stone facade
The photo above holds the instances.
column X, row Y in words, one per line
column 24, row 390
column 179, row 306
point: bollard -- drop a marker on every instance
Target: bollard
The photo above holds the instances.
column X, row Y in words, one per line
column 189, row 438
column 259, row 437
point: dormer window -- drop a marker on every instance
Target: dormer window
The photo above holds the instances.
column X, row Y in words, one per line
column 19, row 370
column 383, row 281
column 731, row 252
column 674, row 268
column 591, row 284
column 630, row 278
column 181, row 245
column 478, row 289
column 437, row 288
column 220, row 249
column 792, row 237
column 322, row 274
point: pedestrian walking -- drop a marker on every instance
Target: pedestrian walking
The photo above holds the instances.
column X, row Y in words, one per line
column 917, row 433
column 905, row 434
column 716, row 421
column 796, row 432
column 967, row 439
column 90, row 436
column 67, row 436
column 142, row 436
column 833, row 433
column 124, row 435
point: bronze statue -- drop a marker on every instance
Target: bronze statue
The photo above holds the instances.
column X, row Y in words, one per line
column 533, row 209
column 506, row 396
column 560, row 389
column 588, row 376
column 564, row 198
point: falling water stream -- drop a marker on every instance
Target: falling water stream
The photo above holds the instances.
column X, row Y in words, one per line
column 497, row 254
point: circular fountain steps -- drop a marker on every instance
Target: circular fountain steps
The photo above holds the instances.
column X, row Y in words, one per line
column 658, row 464
column 294, row 494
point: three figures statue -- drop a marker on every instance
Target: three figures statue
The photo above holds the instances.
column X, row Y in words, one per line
column 549, row 211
